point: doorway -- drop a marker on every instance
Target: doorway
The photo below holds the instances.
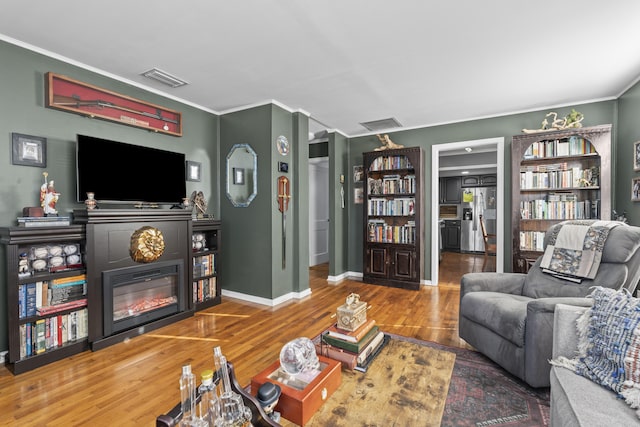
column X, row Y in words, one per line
column 318, row 211
column 448, row 148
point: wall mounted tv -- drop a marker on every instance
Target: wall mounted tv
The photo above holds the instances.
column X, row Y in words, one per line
column 127, row 173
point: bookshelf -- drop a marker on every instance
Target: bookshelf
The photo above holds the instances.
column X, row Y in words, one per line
column 204, row 272
column 392, row 217
column 46, row 299
column 557, row 176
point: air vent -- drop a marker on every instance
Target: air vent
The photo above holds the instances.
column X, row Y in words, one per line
column 377, row 125
column 164, row 78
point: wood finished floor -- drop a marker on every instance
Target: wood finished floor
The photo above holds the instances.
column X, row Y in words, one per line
column 130, row 383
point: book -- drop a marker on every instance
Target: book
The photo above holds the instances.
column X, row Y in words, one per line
column 43, row 311
column 22, row 301
column 351, row 336
column 370, row 348
column 43, row 221
column 31, row 299
column 349, row 360
column 363, row 366
column 40, row 336
column 351, row 346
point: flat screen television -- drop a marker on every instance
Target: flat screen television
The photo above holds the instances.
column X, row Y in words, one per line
column 119, row 172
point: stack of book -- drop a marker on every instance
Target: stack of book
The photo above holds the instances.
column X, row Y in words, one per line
column 355, row 349
column 44, row 221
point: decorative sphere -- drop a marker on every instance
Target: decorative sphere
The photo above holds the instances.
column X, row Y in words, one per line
column 299, row 356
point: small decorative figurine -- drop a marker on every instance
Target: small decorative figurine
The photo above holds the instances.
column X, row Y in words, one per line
column 91, row 202
column 199, row 204
column 387, row 143
column 268, row 397
column 23, row 264
column 48, row 197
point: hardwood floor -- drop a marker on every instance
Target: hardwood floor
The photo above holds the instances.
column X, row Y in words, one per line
column 130, row 383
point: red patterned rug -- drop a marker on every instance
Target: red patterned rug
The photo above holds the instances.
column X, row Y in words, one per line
column 481, row 393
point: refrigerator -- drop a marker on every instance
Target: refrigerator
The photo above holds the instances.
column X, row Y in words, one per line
column 475, row 202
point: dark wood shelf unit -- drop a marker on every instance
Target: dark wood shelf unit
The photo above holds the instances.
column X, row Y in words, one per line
column 16, row 240
column 599, row 194
column 395, row 263
column 211, row 230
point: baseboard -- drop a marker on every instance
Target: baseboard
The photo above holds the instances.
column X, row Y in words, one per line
column 266, row 301
column 351, row 275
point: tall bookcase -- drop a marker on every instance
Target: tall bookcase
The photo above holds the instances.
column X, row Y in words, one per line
column 205, row 241
column 44, row 261
column 393, row 218
column 557, row 175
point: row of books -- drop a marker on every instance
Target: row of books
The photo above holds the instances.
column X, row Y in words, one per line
column 532, row 240
column 204, row 265
column 51, row 296
column 384, row 163
column 55, row 331
column 204, row 289
column 393, row 184
column 379, row 231
column 572, row 146
column 355, row 349
column 543, row 209
column 570, row 178
column 393, row 207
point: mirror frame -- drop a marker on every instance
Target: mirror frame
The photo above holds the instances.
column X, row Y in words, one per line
column 230, row 175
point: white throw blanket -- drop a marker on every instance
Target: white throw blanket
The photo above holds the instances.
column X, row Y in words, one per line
column 574, row 250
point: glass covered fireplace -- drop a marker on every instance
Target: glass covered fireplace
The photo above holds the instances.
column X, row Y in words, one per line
column 133, row 296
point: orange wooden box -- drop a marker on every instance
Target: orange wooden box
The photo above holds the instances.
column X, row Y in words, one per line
column 297, row 405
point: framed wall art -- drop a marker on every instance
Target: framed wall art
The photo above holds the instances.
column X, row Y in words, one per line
column 27, row 150
column 65, row 94
column 635, row 189
column 636, row 156
column 193, row 171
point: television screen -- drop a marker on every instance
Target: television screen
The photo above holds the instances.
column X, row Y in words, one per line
column 121, row 172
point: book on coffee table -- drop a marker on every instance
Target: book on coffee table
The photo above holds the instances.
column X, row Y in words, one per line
column 351, row 336
column 353, row 347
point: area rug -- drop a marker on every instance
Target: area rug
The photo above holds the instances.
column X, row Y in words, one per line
column 405, row 386
column 481, row 393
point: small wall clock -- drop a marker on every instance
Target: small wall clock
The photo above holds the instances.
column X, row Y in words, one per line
column 282, row 143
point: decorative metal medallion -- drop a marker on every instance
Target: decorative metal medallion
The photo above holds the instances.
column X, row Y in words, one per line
column 282, row 144
column 147, row 244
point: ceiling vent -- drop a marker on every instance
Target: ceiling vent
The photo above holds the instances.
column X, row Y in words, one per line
column 164, row 78
column 377, row 125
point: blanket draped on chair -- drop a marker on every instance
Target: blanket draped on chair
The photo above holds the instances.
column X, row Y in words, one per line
column 574, row 250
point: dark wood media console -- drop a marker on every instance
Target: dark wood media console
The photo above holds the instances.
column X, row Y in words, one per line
column 147, row 293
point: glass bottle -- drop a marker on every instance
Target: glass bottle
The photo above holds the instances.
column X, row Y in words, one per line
column 209, row 407
column 233, row 413
column 187, row 396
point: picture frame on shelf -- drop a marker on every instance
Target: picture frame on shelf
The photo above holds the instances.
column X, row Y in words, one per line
column 28, row 150
column 635, row 189
column 238, row 176
column 194, row 170
column 636, row 156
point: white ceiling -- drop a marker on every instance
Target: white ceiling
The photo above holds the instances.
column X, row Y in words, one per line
column 350, row 61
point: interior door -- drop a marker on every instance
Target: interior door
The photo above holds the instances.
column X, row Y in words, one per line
column 318, row 211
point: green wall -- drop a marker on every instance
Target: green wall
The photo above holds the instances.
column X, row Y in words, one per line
column 628, row 132
column 22, row 110
column 252, row 236
column 505, row 126
column 339, row 225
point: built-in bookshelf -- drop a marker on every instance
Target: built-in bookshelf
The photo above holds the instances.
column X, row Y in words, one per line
column 46, row 294
column 558, row 175
column 392, row 218
column 205, row 242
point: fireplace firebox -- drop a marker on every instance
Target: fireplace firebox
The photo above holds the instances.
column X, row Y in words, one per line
column 134, row 296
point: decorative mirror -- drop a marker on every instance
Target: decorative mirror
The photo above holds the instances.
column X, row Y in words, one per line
column 242, row 175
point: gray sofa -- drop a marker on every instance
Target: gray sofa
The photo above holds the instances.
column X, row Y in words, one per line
column 575, row 400
column 509, row 316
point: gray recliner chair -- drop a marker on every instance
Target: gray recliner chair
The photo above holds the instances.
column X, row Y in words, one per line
column 509, row 316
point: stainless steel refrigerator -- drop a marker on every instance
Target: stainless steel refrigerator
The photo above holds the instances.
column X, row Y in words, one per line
column 475, row 202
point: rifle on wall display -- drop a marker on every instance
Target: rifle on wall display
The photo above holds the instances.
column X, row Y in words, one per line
column 63, row 93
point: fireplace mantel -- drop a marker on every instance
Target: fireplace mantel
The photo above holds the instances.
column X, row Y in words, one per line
column 108, row 238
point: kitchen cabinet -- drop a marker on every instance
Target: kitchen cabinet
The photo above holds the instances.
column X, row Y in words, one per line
column 450, row 190
column 451, row 235
column 470, row 181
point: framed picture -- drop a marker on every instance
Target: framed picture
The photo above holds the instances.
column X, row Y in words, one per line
column 636, row 156
column 358, row 173
column 635, row 190
column 27, row 150
column 238, row 176
column 358, row 195
column 193, row 171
